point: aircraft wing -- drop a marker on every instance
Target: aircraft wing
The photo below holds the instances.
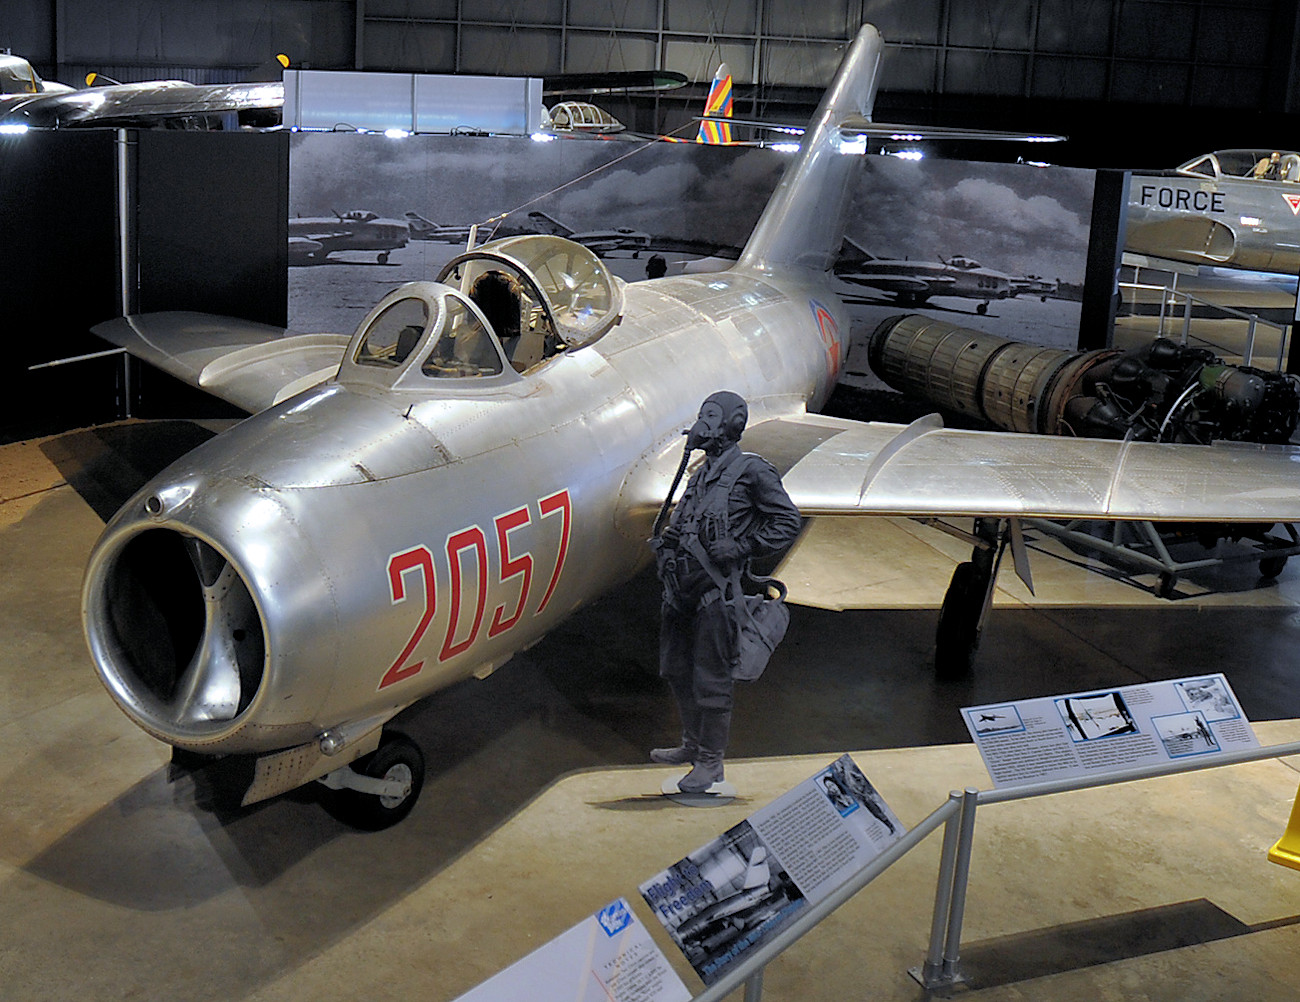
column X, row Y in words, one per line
column 834, row 466
column 247, row 364
column 899, row 283
column 858, row 126
column 839, row 467
column 145, row 103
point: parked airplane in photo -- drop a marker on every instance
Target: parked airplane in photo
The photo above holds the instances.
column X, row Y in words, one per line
column 913, row 282
column 314, row 238
column 1233, row 208
column 600, row 242
column 412, row 506
column 1034, row 285
column 425, row 229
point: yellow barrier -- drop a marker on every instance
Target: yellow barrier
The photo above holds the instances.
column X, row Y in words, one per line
column 1286, row 850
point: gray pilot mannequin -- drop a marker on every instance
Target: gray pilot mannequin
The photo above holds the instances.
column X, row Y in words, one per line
column 733, row 509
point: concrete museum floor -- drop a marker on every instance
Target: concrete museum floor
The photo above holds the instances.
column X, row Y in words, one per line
column 540, row 807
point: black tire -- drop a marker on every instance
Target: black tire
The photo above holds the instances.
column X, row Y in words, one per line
column 957, row 636
column 397, row 757
column 1271, row 567
column 1166, row 586
column 383, row 258
column 982, row 309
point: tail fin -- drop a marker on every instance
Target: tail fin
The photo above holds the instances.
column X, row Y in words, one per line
column 549, row 224
column 803, row 223
column 717, row 105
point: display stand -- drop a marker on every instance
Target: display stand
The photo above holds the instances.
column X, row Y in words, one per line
column 720, row 794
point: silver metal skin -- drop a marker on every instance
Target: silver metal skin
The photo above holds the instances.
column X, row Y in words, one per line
column 422, row 515
column 366, row 542
column 147, row 102
column 1212, row 210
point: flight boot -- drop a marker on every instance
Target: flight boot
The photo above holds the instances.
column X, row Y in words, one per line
column 715, row 728
column 685, row 752
column 689, row 748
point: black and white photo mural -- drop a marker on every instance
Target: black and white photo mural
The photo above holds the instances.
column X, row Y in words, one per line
column 1000, row 248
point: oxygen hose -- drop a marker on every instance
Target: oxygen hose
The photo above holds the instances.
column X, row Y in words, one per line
column 662, row 517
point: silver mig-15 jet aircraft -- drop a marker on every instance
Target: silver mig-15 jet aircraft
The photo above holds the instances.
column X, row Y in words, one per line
column 914, row 282
column 1232, row 208
column 314, row 238
column 413, row 505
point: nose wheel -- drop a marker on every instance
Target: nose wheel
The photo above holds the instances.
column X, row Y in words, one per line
column 384, row 786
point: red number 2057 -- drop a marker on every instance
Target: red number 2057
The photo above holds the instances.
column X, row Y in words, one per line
column 467, row 553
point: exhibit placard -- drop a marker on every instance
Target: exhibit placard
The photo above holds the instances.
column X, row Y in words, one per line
column 740, row 889
column 1106, row 730
column 608, row 957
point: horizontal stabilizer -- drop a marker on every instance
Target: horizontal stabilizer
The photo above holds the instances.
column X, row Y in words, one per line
column 247, row 364
column 857, row 125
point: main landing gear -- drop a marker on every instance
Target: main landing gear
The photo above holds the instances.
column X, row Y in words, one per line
column 967, row 601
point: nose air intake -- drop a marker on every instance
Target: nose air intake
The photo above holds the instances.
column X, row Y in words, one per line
column 175, row 634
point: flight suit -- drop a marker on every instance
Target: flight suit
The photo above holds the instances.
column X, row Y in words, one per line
column 697, row 640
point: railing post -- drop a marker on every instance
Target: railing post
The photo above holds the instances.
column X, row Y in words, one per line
column 930, row 973
column 961, row 876
column 940, row 967
column 1250, row 339
column 754, row 986
column 1187, row 321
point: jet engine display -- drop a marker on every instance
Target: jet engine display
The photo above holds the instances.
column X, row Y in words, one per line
column 1162, row 392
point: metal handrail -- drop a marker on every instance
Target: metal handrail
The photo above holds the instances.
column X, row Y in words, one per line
column 941, row 966
column 749, row 971
column 1188, row 299
column 949, row 904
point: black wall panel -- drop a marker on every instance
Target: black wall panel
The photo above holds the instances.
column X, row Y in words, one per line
column 212, row 223
column 58, row 276
column 209, row 232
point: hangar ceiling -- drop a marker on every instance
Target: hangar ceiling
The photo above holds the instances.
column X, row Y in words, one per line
column 995, row 59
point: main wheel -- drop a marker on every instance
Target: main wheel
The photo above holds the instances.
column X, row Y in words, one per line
column 982, row 309
column 383, row 257
column 957, row 635
column 397, row 759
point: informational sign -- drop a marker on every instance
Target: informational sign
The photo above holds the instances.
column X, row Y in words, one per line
column 1087, row 733
column 739, row 890
column 609, row 957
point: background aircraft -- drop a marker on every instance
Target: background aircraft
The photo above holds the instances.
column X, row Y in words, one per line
column 26, row 99
column 18, row 79
column 425, row 229
column 412, row 510
column 153, row 102
column 625, row 240
column 1033, row 285
column 601, row 242
column 314, row 238
column 913, row 282
column 1214, row 210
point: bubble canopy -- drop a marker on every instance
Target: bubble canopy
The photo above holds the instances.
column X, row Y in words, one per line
column 582, row 298
column 503, row 309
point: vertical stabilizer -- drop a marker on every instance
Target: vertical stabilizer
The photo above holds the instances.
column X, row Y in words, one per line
column 803, row 223
column 717, row 105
